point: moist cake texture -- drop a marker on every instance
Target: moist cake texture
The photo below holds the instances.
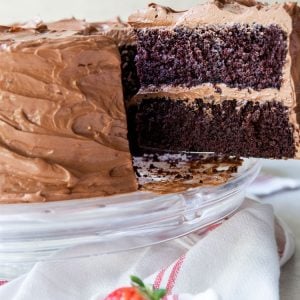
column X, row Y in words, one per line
column 239, row 55
column 220, row 77
column 130, row 78
column 252, row 129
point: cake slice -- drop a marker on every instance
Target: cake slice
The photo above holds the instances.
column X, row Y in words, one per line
column 221, row 77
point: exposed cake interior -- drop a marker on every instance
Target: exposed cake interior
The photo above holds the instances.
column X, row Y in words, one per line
column 130, row 79
column 219, row 77
column 238, row 55
column 253, row 129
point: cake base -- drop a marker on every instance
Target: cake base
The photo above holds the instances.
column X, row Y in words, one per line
column 248, row 129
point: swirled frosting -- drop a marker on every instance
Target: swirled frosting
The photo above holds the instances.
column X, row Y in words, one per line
column 63, row 131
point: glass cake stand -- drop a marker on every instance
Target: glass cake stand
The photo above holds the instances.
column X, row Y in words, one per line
column 31, row 233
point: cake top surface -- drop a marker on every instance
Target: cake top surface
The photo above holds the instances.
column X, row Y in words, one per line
column 37, row 30
column 213, row 12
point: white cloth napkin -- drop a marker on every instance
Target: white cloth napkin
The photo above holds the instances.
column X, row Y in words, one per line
column 237, row 260
column 266, row 184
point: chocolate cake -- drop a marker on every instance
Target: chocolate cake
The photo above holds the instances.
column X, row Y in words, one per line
column 97, row 109
column 63, row 126
column 221, row 77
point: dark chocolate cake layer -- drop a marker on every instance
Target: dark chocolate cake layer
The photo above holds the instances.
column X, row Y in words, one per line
column 245, row 129
column 239, row 55
column 130, row 80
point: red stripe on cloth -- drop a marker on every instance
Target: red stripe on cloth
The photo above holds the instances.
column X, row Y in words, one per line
column 159, row 278
column 2, row 282
column 214, row 226
column 174, row 274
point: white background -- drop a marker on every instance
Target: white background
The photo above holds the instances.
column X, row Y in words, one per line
column 94, row 10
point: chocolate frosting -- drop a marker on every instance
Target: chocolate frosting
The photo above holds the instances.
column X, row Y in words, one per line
column 118, row 30
column 121, row 32
column 63, row 128
column 213, row 12
column 222, row 12
column 294, row 11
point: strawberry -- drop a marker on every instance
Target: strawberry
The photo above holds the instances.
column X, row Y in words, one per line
column 138, row 291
